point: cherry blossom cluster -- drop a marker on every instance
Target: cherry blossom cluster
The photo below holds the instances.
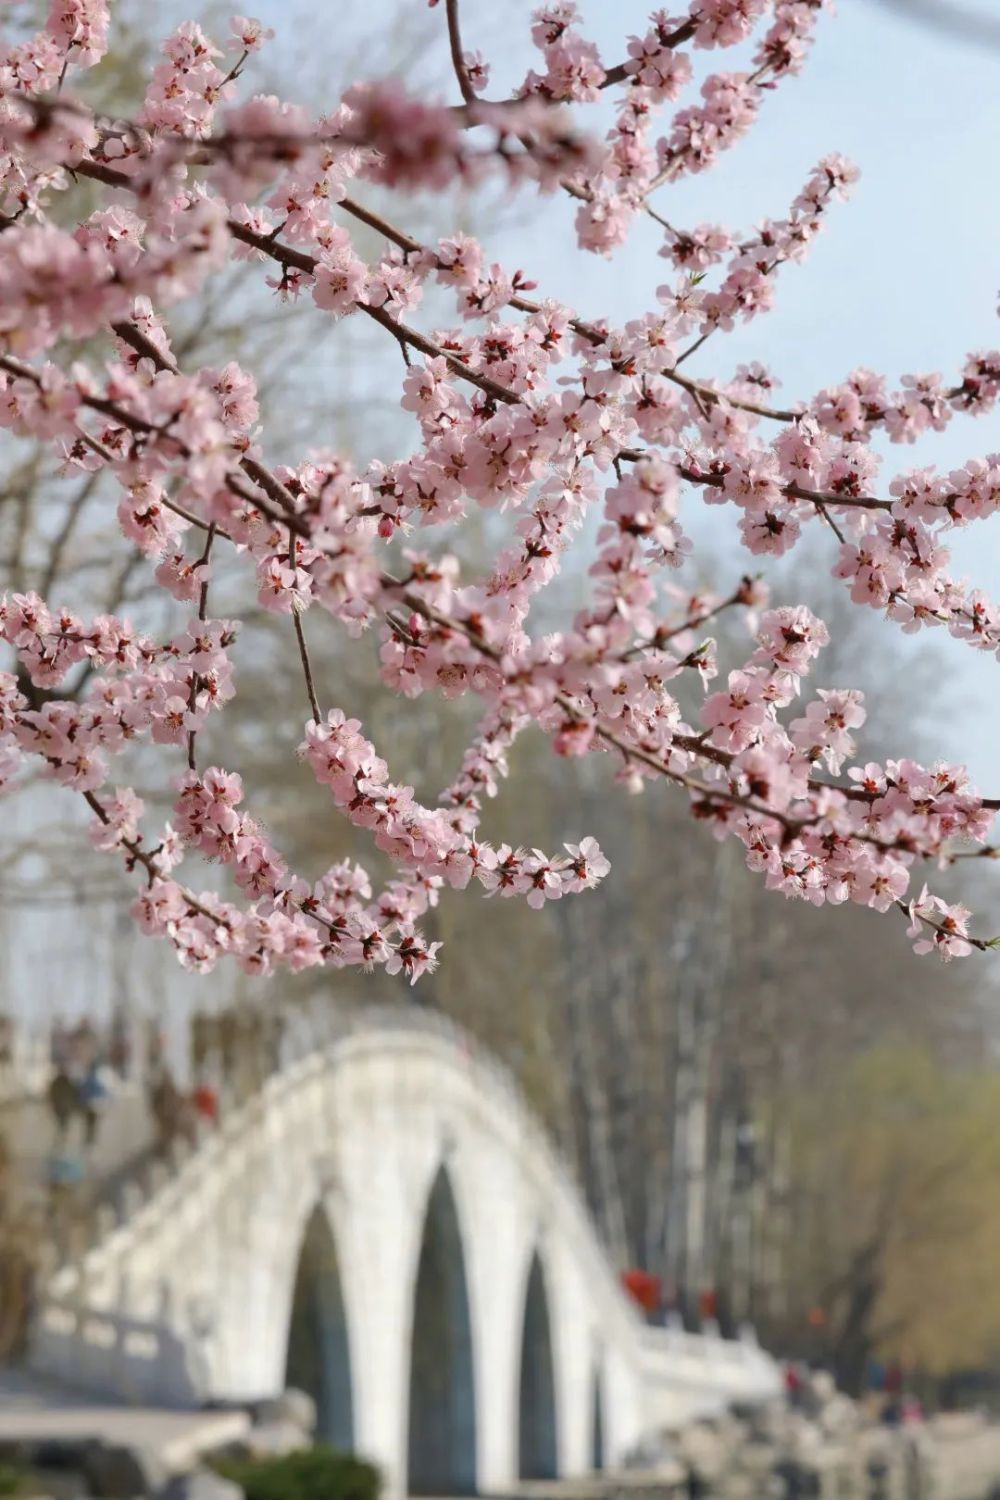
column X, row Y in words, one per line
column 657, row 71
column 589, row 441
column 819, row 841
column 432, row 841
column 160, row 692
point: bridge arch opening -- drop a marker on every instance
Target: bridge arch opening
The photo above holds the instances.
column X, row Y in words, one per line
column 319, row 1356
column 441, row 1443
column 597, row 1422
column 537, row 1441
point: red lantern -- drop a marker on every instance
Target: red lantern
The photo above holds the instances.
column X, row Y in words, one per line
column 645, row 1289
column 206, row 1101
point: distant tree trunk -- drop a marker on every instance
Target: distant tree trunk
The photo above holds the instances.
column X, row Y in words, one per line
column 675, row 1248
column 770, row 1290
column 722, row 1187
column 698, row 1017
column 605, row 1188
column 853, row 1347
column 742, row 1218
column 611, row 1210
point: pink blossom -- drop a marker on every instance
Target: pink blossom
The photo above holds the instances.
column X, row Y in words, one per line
column 248, row 35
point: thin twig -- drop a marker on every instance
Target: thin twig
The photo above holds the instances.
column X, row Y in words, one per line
column 457, row 55
column 196, row 681
column 821, row 508
column 306, row 665
column 65, row 532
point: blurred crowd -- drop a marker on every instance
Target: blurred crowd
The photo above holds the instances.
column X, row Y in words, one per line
column 230, row 1055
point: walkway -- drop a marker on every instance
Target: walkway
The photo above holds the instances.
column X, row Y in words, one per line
column 36, row 1409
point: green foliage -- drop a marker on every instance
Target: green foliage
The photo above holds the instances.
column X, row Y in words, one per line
column 896, row 1161
column 318, row 1473
column 15, row 1481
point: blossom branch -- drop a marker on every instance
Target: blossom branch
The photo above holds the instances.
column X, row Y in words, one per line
column 457, row 56
column 588, row 435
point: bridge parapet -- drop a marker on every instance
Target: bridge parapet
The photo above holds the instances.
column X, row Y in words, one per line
column 698, row 1373
column 146, row 1197
column 141, row 1362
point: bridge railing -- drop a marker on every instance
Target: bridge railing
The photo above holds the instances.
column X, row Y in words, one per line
column 311, row 1035
column 26, row 1072
column 695, row 1374
column 125, row 1358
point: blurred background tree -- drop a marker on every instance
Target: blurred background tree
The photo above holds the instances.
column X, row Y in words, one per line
column 895, row 1165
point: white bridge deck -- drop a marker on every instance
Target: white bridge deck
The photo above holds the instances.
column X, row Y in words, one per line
column 31, row 1408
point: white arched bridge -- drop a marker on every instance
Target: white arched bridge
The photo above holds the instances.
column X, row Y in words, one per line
column 387, row 1226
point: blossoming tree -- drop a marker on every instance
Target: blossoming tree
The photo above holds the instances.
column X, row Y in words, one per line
column 523, row 405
